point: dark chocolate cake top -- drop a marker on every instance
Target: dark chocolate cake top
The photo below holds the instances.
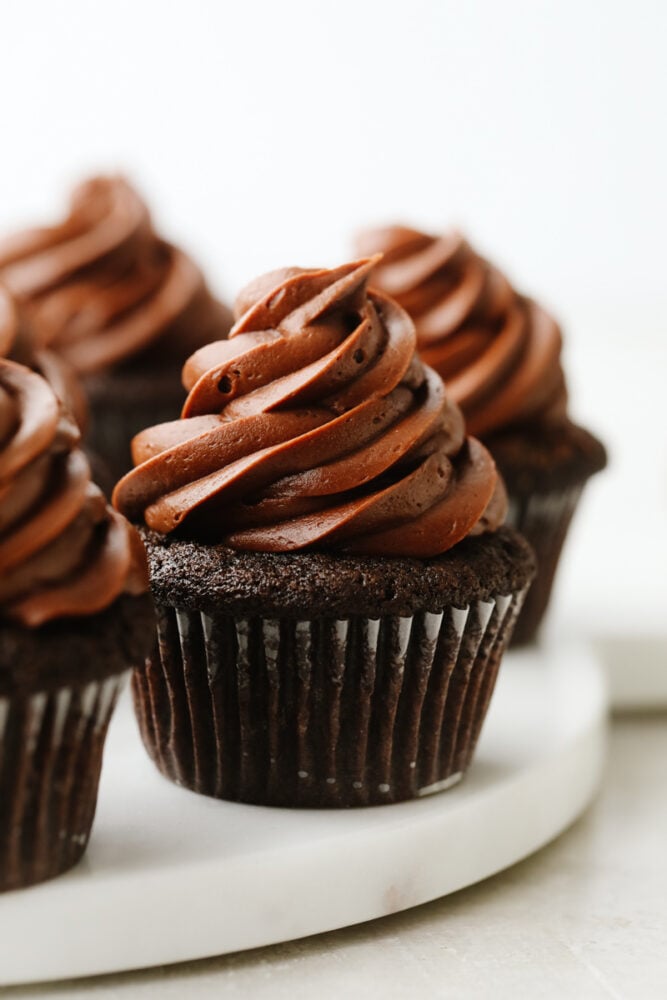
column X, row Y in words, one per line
column 217, row 580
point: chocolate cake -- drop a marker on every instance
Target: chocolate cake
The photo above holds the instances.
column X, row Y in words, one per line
column 333, row 591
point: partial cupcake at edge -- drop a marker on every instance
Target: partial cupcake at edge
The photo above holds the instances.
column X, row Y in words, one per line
column 117, row 302
column 498, row 352
column 334, row 586
column 75, row 617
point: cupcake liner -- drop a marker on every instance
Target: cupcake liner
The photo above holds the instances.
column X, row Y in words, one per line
column 50, row 759
column 324, row 712
column 543, row 519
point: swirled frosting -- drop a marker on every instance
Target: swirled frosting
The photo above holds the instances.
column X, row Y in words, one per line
column 101, row 288
column 17, row 345
column 315, row 426
column 63, row 551
column 8, row 323
column 498, row 352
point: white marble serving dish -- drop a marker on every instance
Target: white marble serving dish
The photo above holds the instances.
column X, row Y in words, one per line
column 171, row 876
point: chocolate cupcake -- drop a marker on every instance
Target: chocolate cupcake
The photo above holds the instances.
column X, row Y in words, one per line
column 119, row 304
column 333, row 590
column 75, row 616
column 499, row 354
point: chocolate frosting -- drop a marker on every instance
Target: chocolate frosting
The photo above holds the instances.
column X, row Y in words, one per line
column 498, row 352
column 16, row 343
column 315, row 426
column 63, row 551
column 101, row 288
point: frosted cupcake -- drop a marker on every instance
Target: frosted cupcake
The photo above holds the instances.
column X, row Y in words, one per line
column 334, row 591
column 499, row 354
column 121, row 305
column 75, row 616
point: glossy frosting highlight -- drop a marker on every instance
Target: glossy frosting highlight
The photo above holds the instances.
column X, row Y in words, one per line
column 498, row 351
column 315, row 426
column 63, row 551
column 101, row 287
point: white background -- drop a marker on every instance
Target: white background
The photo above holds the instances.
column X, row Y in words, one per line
column 264, row 134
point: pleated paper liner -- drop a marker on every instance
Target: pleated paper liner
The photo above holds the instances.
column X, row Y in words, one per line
column 51, row 748
column 324, row 713
column 544, row 520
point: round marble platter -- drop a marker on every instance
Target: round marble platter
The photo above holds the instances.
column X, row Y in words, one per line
column 171, row 876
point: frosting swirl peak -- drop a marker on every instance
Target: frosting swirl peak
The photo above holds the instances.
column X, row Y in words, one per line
column 498, row 352
column 315, row 425
column 63, row 551
column 101, row 287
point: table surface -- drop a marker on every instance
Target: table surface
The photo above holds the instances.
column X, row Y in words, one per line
column 586, row 917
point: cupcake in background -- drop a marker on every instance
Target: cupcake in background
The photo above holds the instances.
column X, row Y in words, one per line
column 334, row 591
column 499, row 355
column 119, row 304
column 75, row 616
